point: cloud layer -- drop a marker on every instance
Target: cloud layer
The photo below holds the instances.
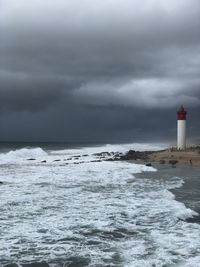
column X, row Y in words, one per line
column 100, row 58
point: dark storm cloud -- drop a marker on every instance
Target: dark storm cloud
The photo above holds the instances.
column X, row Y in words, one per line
column 23, row 91
column 81, row 64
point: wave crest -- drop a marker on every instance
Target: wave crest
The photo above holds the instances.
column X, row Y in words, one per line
column 23, row 153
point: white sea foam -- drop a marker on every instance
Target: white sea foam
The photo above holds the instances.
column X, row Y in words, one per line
column 100, row 210
column 16, row 156
column 174, row 182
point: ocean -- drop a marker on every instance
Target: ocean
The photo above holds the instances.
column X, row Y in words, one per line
column 66, row 206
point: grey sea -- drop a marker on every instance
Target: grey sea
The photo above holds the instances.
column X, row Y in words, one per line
column 67, row 205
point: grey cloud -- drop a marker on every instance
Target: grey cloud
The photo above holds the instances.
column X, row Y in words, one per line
column 87, row 65
column 148, row 93
column 20, row 91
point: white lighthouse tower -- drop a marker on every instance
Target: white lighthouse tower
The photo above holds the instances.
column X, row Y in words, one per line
column 181, row 128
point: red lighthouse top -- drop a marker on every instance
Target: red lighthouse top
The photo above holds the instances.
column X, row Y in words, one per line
column 181, row 113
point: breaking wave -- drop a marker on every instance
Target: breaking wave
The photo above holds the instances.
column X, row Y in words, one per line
column 21, row 154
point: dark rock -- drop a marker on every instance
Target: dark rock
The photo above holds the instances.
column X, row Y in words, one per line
column 134, row 155
column 148, row 164
column 76, row 158
column 102, row 154
column 1, row 182
column 69, row 159
column 123, row 158
column 131, row 153
column 110, row 159
column 57, row 160
column 43, row 161
column 31, row 159
column 173, row 161
column 85, row 155
column 98, row 160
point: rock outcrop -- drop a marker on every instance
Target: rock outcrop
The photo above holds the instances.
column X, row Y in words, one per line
column 135, row 155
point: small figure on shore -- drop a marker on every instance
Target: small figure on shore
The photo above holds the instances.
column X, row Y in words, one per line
column 190, row 162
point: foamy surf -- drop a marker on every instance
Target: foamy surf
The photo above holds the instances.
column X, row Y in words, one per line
column 91, row 213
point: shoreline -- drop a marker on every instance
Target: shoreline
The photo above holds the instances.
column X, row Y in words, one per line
column 189, row 157
column 171, row 156
column 184, row 164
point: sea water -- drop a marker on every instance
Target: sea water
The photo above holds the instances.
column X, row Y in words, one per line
column 65, row 206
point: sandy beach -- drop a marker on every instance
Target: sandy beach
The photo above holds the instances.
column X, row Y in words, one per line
column 190, row 156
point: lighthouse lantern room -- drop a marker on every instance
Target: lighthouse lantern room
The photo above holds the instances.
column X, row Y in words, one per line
column 181, row 128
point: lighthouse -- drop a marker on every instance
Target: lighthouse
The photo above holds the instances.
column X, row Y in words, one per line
column 181, row 128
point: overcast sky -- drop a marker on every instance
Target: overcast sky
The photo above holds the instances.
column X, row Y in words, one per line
column 98, row 70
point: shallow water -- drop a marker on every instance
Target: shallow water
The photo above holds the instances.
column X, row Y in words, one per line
column 70, row 211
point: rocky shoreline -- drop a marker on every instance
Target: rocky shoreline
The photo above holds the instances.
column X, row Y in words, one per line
column 172, row 156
